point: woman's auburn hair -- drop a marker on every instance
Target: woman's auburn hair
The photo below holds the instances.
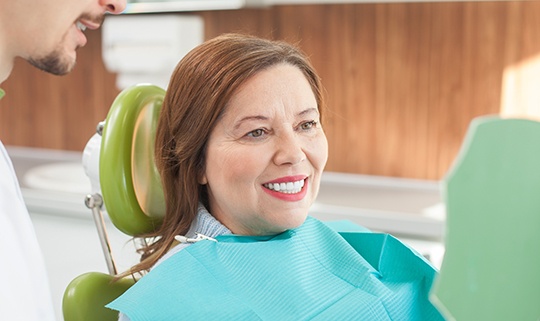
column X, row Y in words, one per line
column 202, row 84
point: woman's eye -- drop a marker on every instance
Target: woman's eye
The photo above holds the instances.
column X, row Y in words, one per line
column 256, row 133
column 308, row 125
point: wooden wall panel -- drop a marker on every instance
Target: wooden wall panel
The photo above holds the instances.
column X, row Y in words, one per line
column 403, row 80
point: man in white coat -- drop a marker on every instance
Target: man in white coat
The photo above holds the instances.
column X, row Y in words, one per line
column 47, row 34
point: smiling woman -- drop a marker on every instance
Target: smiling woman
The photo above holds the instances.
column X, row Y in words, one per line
column 240, row 149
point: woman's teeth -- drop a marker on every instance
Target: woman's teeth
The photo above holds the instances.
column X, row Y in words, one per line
column 80, row 26
column 287, row 188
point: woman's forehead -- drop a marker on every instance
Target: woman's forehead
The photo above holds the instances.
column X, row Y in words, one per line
column 279, row 88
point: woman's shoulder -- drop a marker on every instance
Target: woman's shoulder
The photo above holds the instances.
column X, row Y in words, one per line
column 179, row 247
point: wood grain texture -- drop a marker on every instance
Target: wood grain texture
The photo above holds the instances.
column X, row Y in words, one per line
column 403, row 80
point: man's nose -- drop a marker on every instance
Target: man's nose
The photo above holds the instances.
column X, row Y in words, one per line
column 114, row 6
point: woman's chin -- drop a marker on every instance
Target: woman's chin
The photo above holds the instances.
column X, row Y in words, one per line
column 294, row 221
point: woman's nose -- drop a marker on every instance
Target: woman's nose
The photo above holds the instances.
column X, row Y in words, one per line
column 289, row 150
column 114, row 6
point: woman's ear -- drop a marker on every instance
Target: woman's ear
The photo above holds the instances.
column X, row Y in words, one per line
column 202, row 179
column 201, row 173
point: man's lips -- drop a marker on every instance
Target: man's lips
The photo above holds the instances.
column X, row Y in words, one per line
column 89, row 24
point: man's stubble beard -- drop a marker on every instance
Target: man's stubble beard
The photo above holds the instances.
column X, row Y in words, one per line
column 53, row 63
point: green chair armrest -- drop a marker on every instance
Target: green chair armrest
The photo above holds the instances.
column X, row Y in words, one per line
column 86, row 296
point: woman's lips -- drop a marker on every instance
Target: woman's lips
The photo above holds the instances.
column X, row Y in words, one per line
column 288, row 188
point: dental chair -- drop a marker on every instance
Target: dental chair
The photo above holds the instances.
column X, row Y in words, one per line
column 491, row 268
column 118, row 159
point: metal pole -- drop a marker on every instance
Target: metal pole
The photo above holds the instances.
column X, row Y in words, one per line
column 95, row 203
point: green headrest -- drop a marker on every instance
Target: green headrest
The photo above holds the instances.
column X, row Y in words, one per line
column 130, row 183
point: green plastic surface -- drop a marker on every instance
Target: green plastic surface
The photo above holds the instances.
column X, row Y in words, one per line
column 491, row 268
column 86, row 296
column 130, row 183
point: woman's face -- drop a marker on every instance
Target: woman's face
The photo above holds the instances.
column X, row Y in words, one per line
column 265, row 156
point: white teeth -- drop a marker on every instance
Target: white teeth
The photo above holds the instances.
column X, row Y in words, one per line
column 81, row 26
column 287, row 188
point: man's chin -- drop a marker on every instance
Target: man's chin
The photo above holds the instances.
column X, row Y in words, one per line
column 54, row 64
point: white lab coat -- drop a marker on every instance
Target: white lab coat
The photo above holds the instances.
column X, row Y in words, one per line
column 24, row 287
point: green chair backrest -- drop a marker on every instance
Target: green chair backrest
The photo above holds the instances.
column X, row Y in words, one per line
column 491, row 268
column 130, row 182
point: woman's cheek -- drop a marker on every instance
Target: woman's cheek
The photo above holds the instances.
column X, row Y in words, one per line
column 319, row 150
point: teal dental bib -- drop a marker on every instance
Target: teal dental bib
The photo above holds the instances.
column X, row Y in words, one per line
column 308, row 273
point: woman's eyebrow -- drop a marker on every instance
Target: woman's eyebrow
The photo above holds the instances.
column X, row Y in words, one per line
column 242, row 120
column 308, row 111
column 239, row 123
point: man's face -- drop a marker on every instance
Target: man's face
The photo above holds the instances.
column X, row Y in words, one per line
column 52, row 31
